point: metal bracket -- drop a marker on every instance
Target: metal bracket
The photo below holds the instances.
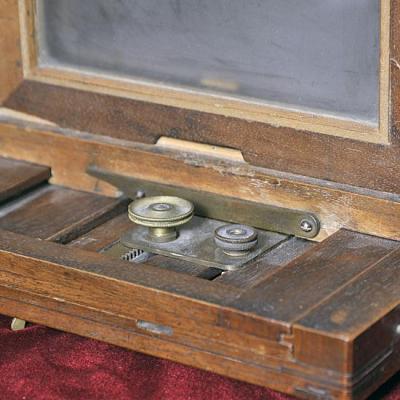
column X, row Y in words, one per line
column 210, row 205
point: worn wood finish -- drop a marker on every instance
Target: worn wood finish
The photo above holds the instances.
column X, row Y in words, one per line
column 204, row 317
column 217, row 104
column 100, row 326
column 395, row 71
column 336, row 207
column 364, row 314
column 296, row 288
column 18, row 176
column 137, row 291
column 314, row 320
column 58, row 214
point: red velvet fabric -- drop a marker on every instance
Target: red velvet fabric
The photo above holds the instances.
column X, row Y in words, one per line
column 39, row 363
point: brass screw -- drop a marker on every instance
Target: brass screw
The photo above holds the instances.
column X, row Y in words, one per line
column 306, row 226
column 162, row 215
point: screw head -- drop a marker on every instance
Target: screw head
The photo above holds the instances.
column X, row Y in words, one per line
column 306, row 226
column 140, row 194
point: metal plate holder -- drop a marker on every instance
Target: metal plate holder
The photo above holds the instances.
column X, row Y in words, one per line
column 210, row 205
column 195, row 244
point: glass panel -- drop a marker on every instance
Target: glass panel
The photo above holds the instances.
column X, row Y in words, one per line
column 312, row 55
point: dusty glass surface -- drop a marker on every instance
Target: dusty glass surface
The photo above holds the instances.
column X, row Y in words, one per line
column 318, row 55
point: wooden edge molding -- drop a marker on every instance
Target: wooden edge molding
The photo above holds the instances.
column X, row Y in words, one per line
column 69, row 154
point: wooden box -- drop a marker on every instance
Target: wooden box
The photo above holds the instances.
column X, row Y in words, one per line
column 260, row 105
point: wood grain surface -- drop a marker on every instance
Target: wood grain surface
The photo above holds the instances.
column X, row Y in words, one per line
column 336, row 206
column 18, row 176
column 58, row 214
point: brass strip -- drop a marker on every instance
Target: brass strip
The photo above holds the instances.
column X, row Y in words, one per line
column 223, row 208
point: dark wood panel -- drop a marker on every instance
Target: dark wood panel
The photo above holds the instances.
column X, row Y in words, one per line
column 19, row 176
column 266, row 265
column 284, row 149
column 364, row 313
column 58, row 214
column 309, row 279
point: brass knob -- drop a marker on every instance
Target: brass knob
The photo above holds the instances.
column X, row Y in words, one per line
column 162, row 215
column 236, row 240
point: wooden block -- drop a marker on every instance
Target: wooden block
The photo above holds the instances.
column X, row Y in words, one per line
column 58, row 214
column 19, row 176
column 290, row 293
column 364, row 314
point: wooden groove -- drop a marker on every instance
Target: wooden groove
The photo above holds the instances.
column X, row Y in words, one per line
column 103, row 235
column 301, row 152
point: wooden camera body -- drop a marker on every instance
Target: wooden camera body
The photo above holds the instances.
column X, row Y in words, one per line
column 280, row 116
